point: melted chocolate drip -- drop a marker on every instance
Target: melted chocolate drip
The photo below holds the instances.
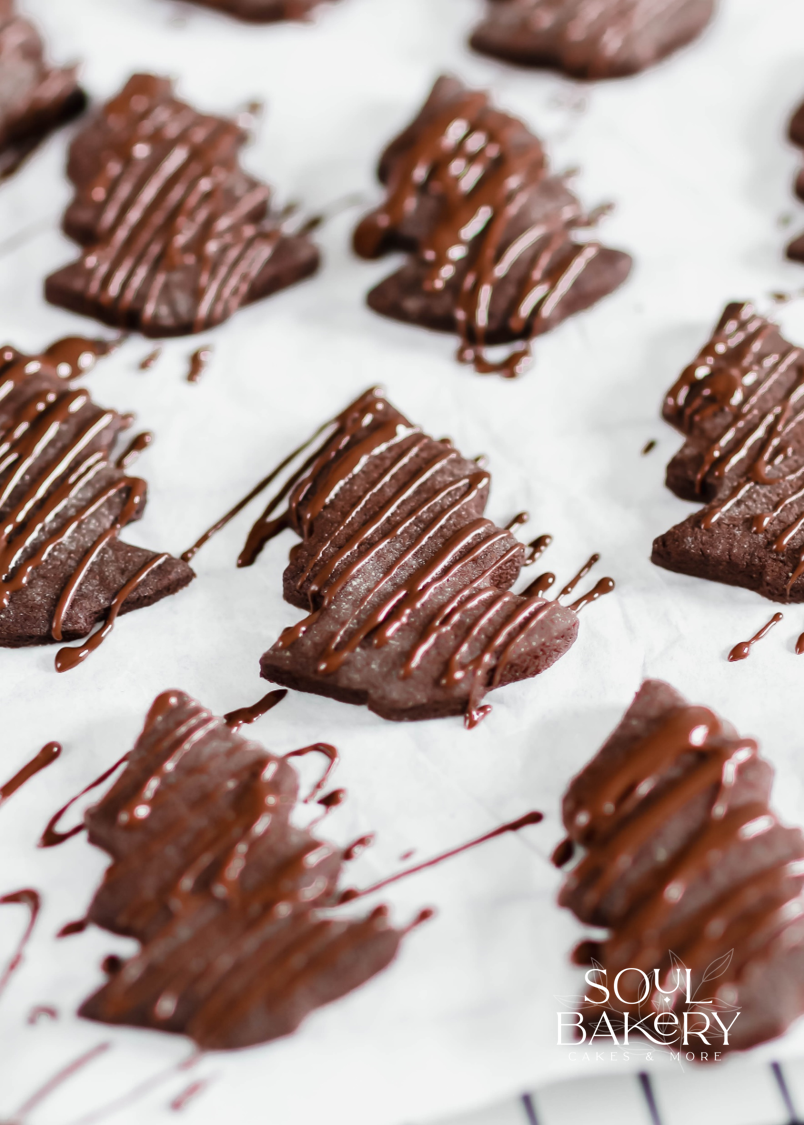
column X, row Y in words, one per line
column 539, row 586
column 329, row 752
column 331, row 800
column 32, row 902
column 249, row 556
column 536, row 549
column 51, row 837
column 221, row 891
column 76, row 355
column 150, row 359
column 682, row 853
column 58, row 1079
column 800, row 645
column 512, row 826
column 198, row 363
column 481, row 171
column 71, row 928
column 743, row 649
column 46, row 756
column 599, row 590
column 563, row 853
column 134, row 448
column 582, row 573
column 188, row 1094
column 42, row 1011
column 245, row 715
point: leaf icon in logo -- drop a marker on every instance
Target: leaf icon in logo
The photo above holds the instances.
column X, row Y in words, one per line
column 718, row 967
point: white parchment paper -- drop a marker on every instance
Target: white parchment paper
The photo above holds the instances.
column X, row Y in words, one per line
column 694, row 155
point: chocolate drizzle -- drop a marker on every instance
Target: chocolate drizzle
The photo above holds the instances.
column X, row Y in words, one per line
column 198, row 363
column 742, row 650
column 32, row 902
column 58, row 1079
column 134, row 448
column 63, row 503
column 69, row 929
column 394, row 546
column 150, row 359
column 512, row 826
column 46, row 756
column 222, row 892
column 245, row 715
column 51, row 837
column 740, row 405
column 177, row 236
column 682, row 853
column 188, row 1094
column 493, row 235
column 41, row 1011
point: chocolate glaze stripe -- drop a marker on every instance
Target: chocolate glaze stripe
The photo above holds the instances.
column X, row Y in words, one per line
column 742, row 650
column 330, row 753
column 245, row 715
column 59, row 1078
column 251, row 550
column 67, row 658
column 32, row 901
column 41, row 1011
column 198, row 363
column 46, row 756
column 599, row 590
column 134, row 448
column 51, row 837
column 512, row 826
column 467, row 157
column 137, row 1092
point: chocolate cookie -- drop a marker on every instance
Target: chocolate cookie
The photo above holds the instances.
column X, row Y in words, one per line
column 739, row 406
column 590, row 38
column 63, row 502
column 796, row 133
column 222, row 892
column 405, row 583
column 490, row 233
column 176, row 236
column 34, row 98
column 264, row 11
column 686, row 865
